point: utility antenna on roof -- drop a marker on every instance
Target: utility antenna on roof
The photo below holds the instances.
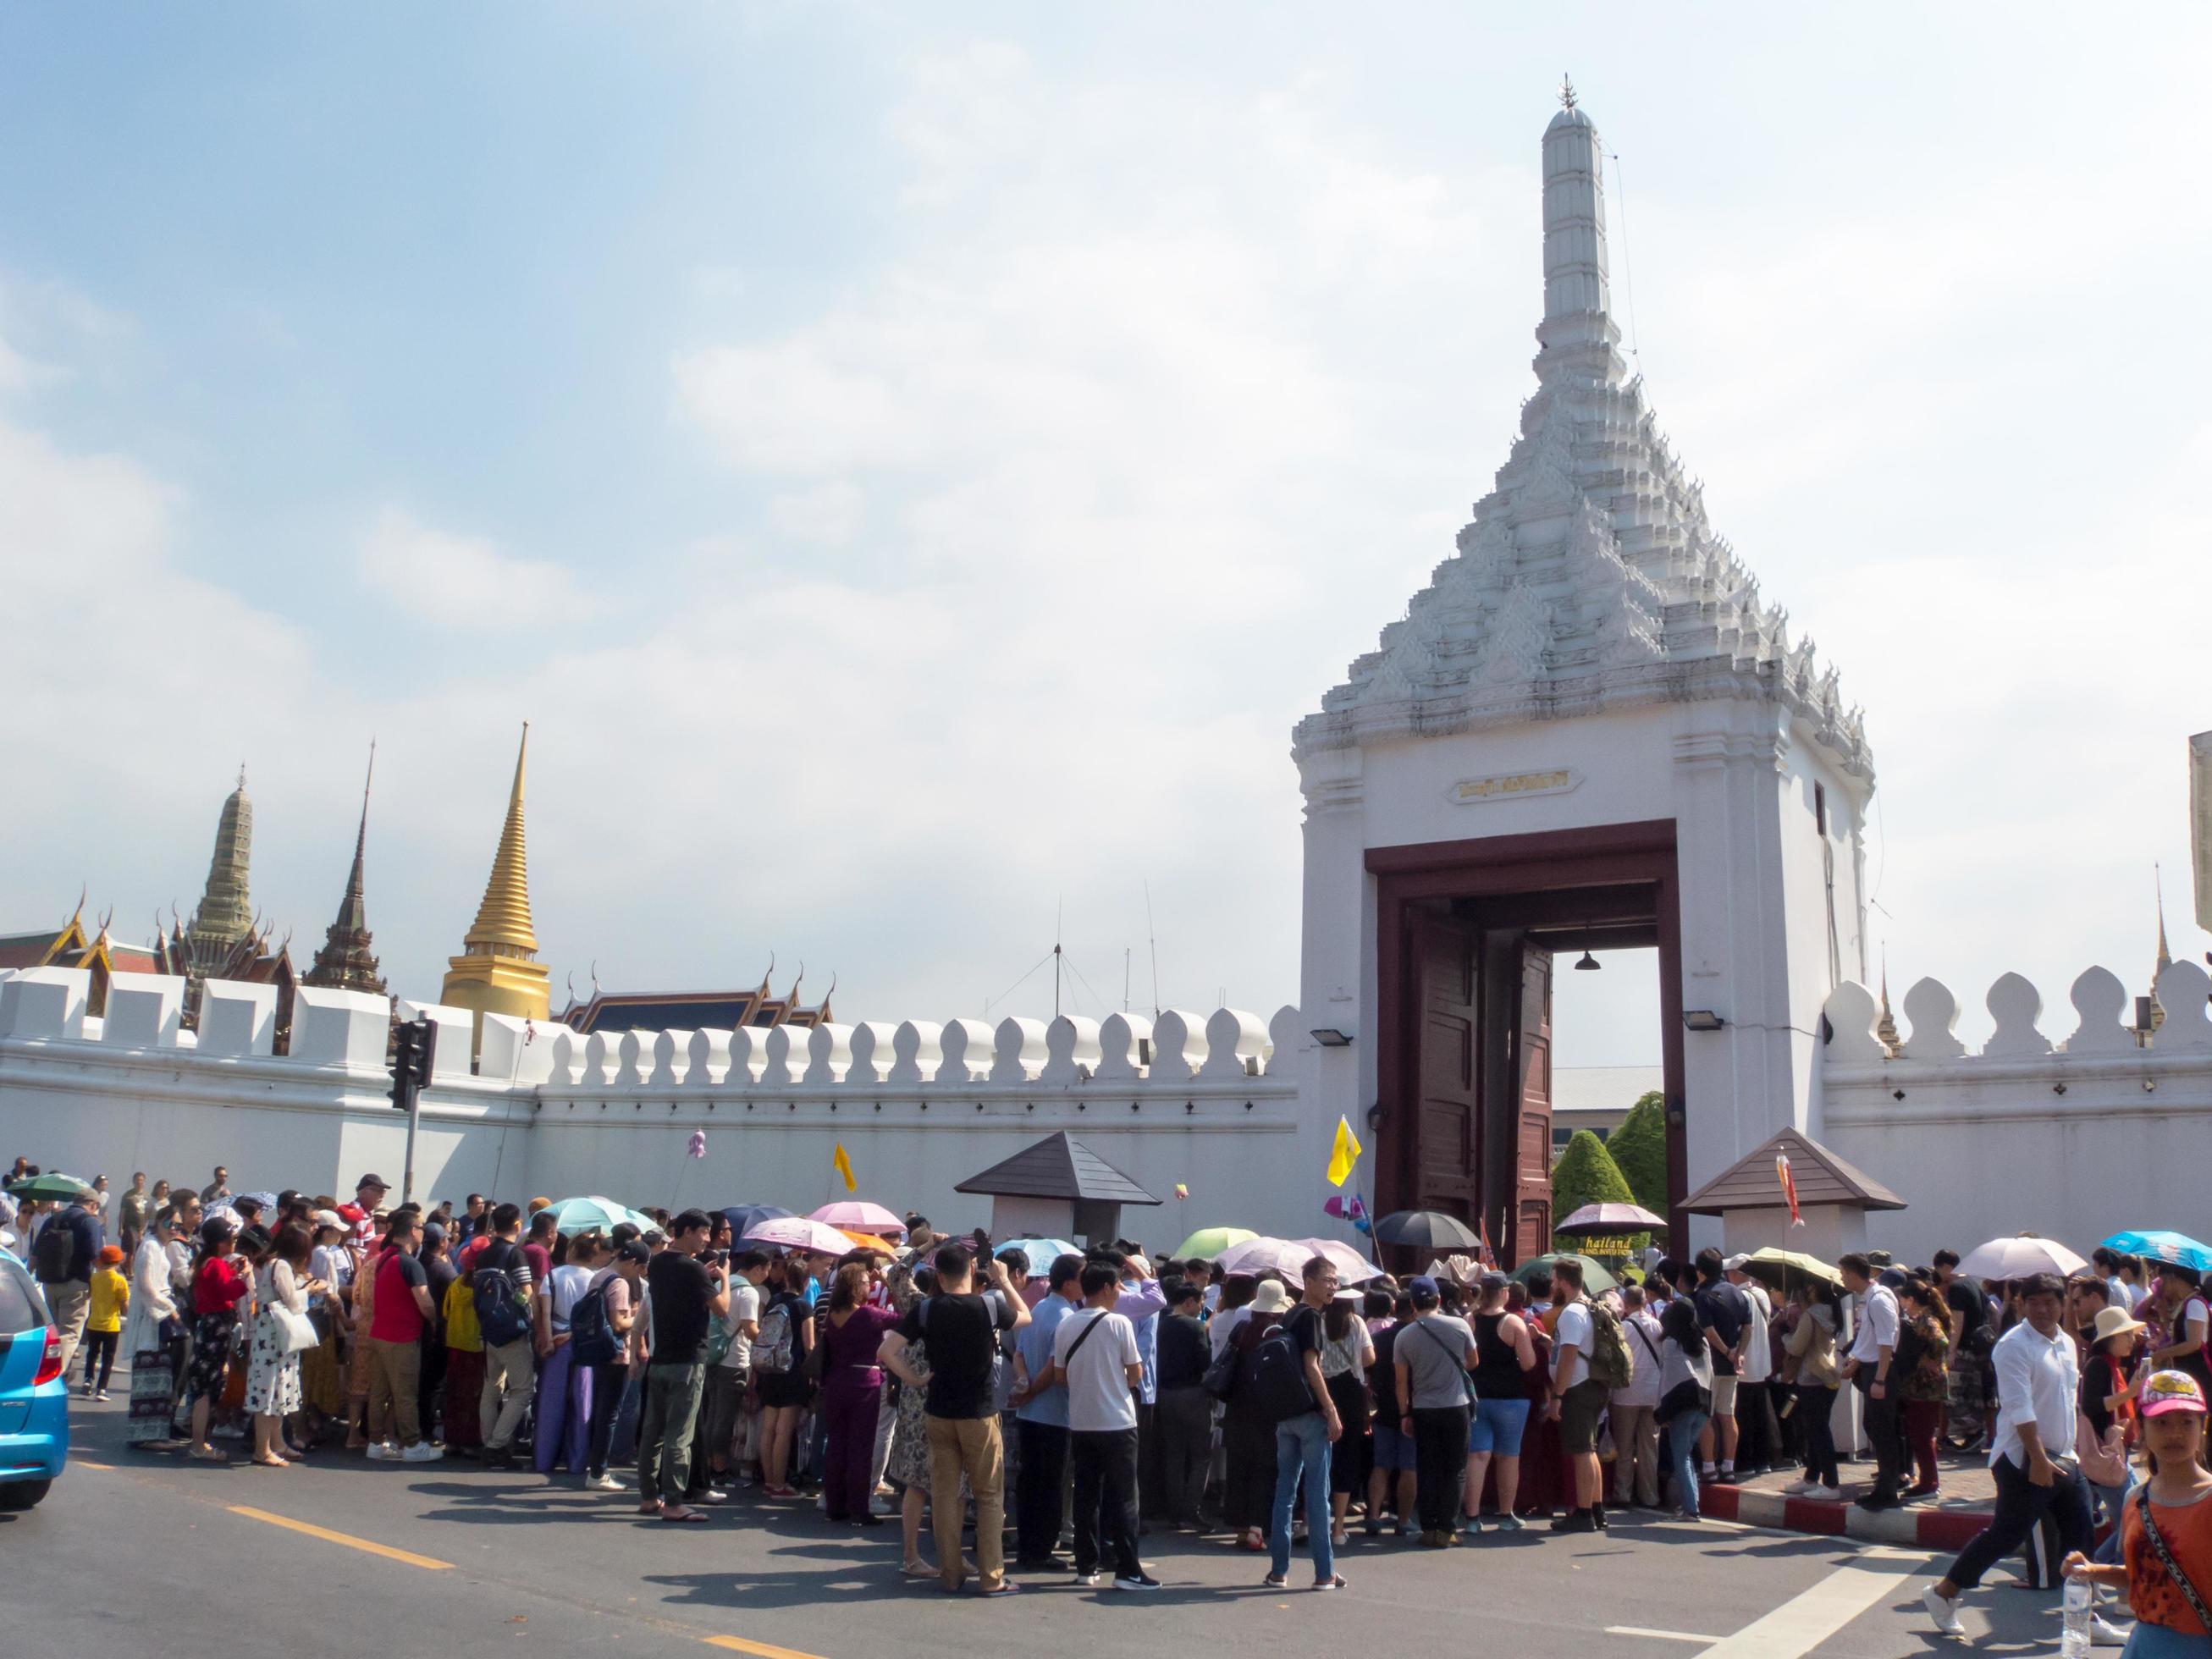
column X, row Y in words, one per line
column 1152, row 937
column 1567, row 90
column 1059, row 915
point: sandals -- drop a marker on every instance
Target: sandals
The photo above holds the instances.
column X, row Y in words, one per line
column 682, row 1513
column 917, row 1569
column 272, row 1463
column 211, row 1455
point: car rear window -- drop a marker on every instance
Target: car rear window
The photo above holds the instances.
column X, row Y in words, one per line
column 21, row 1309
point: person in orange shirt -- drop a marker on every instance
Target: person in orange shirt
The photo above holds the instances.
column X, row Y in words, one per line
column 2168, row 1579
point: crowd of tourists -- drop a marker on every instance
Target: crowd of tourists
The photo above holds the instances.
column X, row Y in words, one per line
column 1058, row 1409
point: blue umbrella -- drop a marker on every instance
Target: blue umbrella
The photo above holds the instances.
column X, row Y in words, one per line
column 743, row 1217
column 1040, row 1251
column 2177, row 1248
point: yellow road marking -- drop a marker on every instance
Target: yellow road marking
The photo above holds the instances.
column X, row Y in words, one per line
column 739, row 1644
column 330, row 1537
column 87, row 1463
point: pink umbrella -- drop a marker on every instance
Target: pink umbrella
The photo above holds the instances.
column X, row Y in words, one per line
column 1289, row 1255
column 798, row 1232
column 861, row 1216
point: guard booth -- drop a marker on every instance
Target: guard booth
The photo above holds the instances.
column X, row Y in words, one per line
column 1056, row 1188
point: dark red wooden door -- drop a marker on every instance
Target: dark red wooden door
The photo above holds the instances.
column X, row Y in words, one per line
column 1532, row 1058
column 1446, row 1171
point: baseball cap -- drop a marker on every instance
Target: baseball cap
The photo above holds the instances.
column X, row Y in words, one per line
column 376, row 1181
column 632, row 1250
column 1493, row 1281
column 1424, row 1288
column 2171, row 1391
column 330, row 1218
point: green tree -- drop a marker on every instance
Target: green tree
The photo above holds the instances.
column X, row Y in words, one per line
column 1639, row 1149
column 1586, row 1173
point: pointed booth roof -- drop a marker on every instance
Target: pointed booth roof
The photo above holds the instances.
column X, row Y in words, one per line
column 1821, row 1178
column 1058, row 1166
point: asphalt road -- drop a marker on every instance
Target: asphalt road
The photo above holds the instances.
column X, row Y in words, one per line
column 131, row 1550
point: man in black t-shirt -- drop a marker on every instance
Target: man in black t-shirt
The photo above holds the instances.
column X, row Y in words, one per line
column 685, row 1295
column 960, row 1330
column 1722, row 1312
column 1185, row 1410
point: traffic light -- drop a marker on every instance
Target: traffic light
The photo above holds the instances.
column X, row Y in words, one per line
column 414, row 1052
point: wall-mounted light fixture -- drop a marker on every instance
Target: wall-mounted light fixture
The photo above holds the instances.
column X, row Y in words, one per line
column 1329, row 1037
column 1701, row 1019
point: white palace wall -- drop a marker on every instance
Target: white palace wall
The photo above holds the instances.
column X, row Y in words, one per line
column 1218, row 1101
column 2060, row 1125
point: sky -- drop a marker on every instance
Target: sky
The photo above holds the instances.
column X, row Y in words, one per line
column 912, row 466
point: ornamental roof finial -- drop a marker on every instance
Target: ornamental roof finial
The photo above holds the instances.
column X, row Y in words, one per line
column 1567, row 90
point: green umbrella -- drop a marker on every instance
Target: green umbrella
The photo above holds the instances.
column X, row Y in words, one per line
column 1210, row 1242
column 578, row 1215
column 46, row 1188
column 1774, row 1265
column 1594, row 1277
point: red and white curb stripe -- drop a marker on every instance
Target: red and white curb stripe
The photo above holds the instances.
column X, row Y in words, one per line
column 1908, row 1528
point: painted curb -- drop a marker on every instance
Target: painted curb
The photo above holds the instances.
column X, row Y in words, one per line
column 1940, row 1530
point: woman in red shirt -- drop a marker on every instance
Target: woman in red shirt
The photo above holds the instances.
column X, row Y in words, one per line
column 217, row 1289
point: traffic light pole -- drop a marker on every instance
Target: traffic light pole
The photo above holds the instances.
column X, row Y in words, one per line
column 414, row 1119
column 414, row 1058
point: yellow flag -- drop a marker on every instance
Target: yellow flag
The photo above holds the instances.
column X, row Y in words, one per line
column 845, row 1168
column 1344, row 1154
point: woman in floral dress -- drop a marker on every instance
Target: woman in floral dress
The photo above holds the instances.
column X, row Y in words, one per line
column 272, row 1377
column 908, row 1467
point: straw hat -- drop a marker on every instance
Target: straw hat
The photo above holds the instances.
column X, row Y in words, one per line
column 2114, row 1321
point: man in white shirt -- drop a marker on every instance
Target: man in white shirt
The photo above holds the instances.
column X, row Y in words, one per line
column 1754, row 1369
column 1867, row 1370
column 2031, row 1449
column 1094, row 1352
column 1630, row 1410
column 1577, row 1399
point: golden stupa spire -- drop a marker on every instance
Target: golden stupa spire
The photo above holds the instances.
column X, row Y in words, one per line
column 503, row 918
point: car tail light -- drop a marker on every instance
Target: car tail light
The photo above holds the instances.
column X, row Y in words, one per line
column 49, row 1362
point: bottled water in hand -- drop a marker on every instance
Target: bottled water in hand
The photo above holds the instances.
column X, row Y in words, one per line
column 2073, row 1626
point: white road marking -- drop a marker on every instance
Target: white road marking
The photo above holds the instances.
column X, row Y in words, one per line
column 1804, row 1621
column 1660, row 1634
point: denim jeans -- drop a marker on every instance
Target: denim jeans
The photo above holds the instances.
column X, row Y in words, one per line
column 2112, row 1500
column 1302, row 1448
column 1682, row 1449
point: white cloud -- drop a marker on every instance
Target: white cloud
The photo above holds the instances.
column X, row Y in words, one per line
column 828, row 515
column 463, row 582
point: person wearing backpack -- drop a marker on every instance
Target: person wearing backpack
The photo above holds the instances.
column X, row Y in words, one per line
column 500, row 1286
column 1101, row 1377
column 1286, row 1375
column 608, row 1317
column 62, row 1259
column 1579, row 1391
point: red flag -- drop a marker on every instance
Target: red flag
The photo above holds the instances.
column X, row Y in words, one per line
column 1482, row 1230
column 1789, row 1188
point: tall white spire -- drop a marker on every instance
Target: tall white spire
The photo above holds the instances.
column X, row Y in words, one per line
column 1578, row 330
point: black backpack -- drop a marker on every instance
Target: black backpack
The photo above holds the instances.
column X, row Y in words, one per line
column 1275, row 1374
column 501, row 1315
column 55, row 1252
column 591, row 1333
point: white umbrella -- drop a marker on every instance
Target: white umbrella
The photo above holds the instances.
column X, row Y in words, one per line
column 2021, row 1257
column 800, row 1232
column 1289, row 1255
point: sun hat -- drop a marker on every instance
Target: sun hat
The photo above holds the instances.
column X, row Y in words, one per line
column 2171, row 1391
column 2114, row 1321
column 1734, row 1264
column 1271, row 1298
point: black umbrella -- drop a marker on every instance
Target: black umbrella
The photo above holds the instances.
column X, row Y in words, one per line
column 1431, row 1229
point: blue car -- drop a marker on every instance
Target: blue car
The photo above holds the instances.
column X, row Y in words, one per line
column 34, row 1396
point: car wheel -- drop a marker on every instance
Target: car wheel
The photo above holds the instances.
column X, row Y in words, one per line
column 22, row 1494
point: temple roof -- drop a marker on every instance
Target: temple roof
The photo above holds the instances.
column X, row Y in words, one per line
column 503, row 918
column 1058, row 1166
column 347, row 961
column 226, row 909
column 1590, row 578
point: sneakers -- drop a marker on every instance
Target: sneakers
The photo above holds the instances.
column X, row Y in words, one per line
column 1086, row 1580
column 384, row 1451
column 1470, row 1526
column 2104, row 1633
column 1575, row 1520
column 603, row 1482
column 1946, row 1616
column 422, row 1452
column 1509, row 1523
column 100, row 1394
column 1142, row 1581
